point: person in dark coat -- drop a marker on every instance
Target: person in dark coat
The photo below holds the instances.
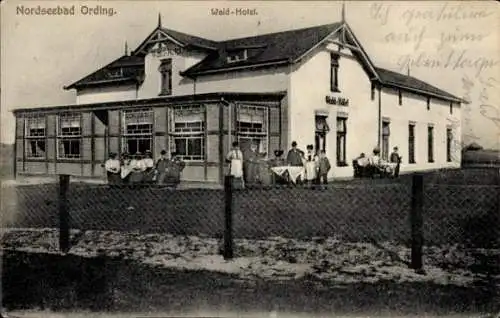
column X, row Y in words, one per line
column 295, row 156
column 250, row 165
column 162, row 167
column 174, row 170
column 323, row 168
column 395, row 158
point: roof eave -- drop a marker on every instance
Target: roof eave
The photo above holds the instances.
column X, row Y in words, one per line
column 102, row 82
column 416, row 90
column 191, row 74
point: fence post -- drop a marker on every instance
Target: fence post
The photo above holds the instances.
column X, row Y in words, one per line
column 228, row 218
column 63, row 213
column 417, row 239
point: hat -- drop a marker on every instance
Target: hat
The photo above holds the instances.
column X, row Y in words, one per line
column 294, row 143
column 309, row 147
column 163, row 152
column 147, row 152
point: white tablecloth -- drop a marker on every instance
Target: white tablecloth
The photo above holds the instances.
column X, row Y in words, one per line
column 293, row 172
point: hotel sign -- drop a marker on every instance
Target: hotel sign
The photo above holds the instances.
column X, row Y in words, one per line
column 337, row 101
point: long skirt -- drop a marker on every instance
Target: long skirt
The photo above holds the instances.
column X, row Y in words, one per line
column 136, row 177
column 149, row 175
column 114, row 178
column 238, row 183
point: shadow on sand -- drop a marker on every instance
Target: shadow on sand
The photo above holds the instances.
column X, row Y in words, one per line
column 60, row 283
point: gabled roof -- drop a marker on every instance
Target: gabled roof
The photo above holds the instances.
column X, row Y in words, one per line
column 266, row 50
column 126, row 69
column 286, row 46
column 394, row 79
column 183, row 39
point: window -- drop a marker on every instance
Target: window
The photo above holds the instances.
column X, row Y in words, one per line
column 334, row 72
column 35, row 137
column 411, row 143
column 321, row 130
column 400, row 96
column 449, row 140
column 451, row 108
column 115, row 73
column 236, row 56
column 188, row 132
column 137, row 130
column 69, row 136
column 385, row 140
column 341, row 141
column 166, row 77
column 428, row 103
column 430, row 144
column 251, row 125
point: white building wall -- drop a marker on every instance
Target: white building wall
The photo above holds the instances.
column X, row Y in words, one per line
column 414, row 109
column 310, row 84
column 107, row 94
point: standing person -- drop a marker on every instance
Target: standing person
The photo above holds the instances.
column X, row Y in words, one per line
column 149, row 163
column 323, row 168
column 162, row 168
column 250, row 167
column 295, row 158
column 175, row 169
column 235, row 159
column 138, row 167
column 310, row 165
column 112, row 166
column 125, row 168
column 396, row 160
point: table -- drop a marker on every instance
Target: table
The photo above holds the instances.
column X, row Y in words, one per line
column 293, row 172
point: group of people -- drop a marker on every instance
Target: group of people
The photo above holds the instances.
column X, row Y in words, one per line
column 142, row 169
column 315, row 163
column 388, row 168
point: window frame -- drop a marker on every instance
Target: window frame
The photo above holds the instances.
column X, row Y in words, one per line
column 341, row 135
column 262, row 135
column 28, row 138
column 126, row 136
column 386, row 137
column 233, row 56
column 411, row 143
column 334, row 73
column 165, row 68
column 430, row 144
column 177, row 134
column 449, row 143
column 76, row 137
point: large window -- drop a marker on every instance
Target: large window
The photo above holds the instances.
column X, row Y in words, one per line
column 251, row 125
column 188, row 132
column 449, row 141
column 137, row 130
column 341, row 141
column 166, row 77
column 35, row 137
column 411, row 143
column 69, row 136
column 334, row 72
column 430, row 144
column 386, row 132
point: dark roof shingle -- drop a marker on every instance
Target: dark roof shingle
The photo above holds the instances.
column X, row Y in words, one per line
column 393, row 78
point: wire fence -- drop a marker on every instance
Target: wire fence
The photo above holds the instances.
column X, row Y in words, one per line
column 456, row 207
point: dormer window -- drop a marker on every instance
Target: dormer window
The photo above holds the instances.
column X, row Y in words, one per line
column 115, row 73
column 166, row 77
column 334, row 72
column 237, row 56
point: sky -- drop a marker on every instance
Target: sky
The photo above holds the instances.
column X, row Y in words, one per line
column 451, row 45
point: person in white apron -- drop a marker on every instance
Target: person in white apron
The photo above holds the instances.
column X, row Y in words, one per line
column 310, row 165
column 235, row 159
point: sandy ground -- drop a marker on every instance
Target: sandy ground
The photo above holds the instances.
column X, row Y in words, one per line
column 275, row 258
